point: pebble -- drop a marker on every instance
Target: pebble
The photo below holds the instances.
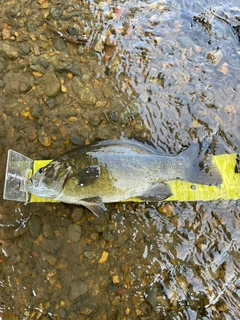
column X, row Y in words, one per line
column 75, row 139
column 115, row 279
column 49, row 258
column 56, row 12
column 44, row 139
column 104, row 257
column 6, row 34
column 59, row 44
column 26, row 48
column 37, row 111
column 48, row 231
column 74, row 232
column 101, row 104
column 51, row 84
column 44, row 63
column 35, row 226
column 85, row 94
column 50, row 103
column 150, row 296
column 85, row 78
column 99, row 45
column 8, row 50
column 31, row 26
column 77, row 288
column 90, row 255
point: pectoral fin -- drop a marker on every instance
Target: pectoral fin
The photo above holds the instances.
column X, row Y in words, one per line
column 87, row 176
column 94, row 204
column 157, row 192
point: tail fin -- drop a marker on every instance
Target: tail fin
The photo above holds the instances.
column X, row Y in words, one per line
column 199, row 167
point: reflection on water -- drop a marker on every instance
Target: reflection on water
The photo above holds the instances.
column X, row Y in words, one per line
column 158, row 69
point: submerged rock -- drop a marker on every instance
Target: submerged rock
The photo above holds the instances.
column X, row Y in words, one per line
column 83, row 92
column 51, row 85
column 74, row 232
column 9, row 51
column 77, row 288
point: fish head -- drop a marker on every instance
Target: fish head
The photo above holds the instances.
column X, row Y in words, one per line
column 48, row 182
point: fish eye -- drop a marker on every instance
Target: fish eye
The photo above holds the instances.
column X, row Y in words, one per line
column 40, row 171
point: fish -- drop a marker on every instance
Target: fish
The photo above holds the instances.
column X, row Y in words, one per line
column 120, row 171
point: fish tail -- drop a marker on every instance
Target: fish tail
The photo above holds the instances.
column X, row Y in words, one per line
column 199, row 167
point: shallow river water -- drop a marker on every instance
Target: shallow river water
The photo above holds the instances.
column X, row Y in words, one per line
column 165, row 71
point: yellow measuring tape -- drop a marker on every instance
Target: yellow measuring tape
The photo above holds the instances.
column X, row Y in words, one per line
column 187, row 191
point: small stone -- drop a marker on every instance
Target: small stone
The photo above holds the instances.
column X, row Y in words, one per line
column 26, row 48
column 6, row 34
column 31, row 26
column 24, row 87
column 86, row 311
column 85, row 78
column 37, row 74
column 44, row 63
column 59, row 44
column 115, row 279
column 104, row 257
column 32, row 135
column 51, row 84
column 81, row 50
column 84, row 93
column 116, row 301
column 35, row 226
column 48, row 231
column 151, row 296
column 127, row 311
column 50, row 103
column 101, row 104
column 75, row 139
column 37, row 111
column 8, row 50
column 56, row 12
column 77, row 288
column 99, row 45
column 73, row 119
column 49, row 258
column 63, row 313
column 44, row 140
column 74, row 232
column 90, row 255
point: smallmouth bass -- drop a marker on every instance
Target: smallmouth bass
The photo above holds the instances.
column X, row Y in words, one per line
column 119, row 171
